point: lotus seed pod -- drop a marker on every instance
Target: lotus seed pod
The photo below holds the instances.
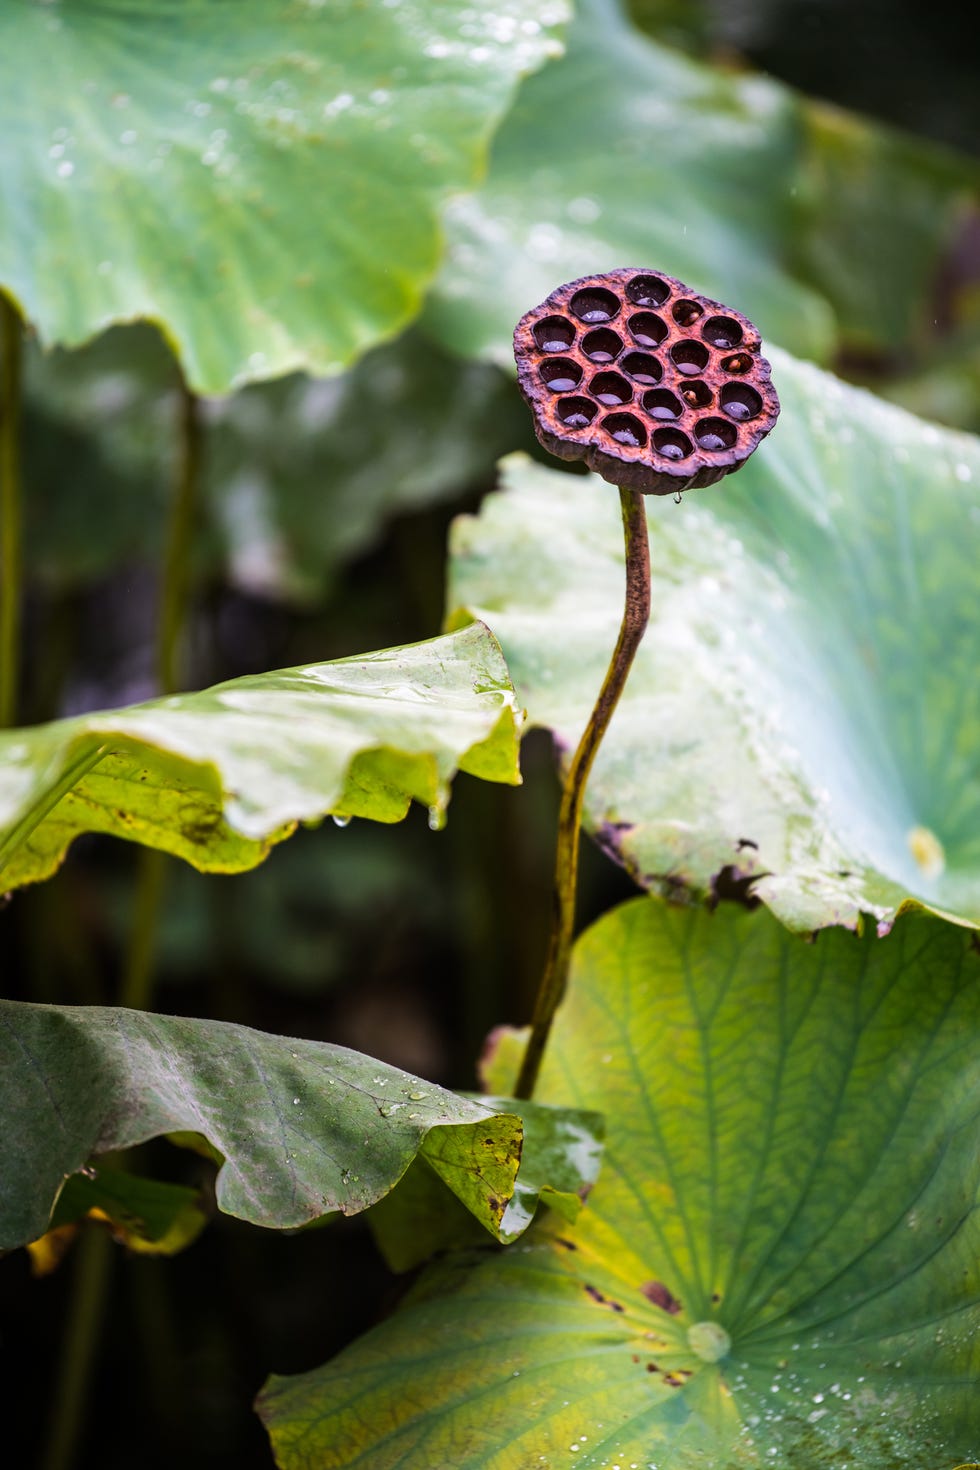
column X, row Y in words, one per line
column 657, row 388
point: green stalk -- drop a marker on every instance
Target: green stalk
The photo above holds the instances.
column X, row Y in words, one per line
column 636, row 616
column 11, row 569
column 136, row 987
column 93, row 1262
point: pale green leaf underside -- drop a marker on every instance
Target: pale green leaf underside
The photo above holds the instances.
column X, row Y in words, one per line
column 264, row 177
column 624, row 153
column 304, row 1128
column 779, row 1263
column 805, row 705
column 217, row 777
column 559, row 1165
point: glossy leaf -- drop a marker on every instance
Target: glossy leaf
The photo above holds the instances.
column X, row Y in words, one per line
column 304, row 1128
column 779, row 1263
column 299, row 476
column 559, row 1165
column 263, row 179
column 804, row 711
column 217, row 777
column 627, row 153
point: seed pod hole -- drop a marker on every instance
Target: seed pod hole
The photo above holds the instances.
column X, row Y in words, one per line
column 647, row 330
column 722, row 332
column 686, row 313
column 741, row 402
column 602, row 345
column 576, row 413
column 642, row 368
column 689, row 358
column 715, row 434
column 697, row 395
column 594, row 305
column 610, row 389
column 671, row 443
column 647, row 291
column 740, row 363
column 554, row 334
column 626, row 429
column 660, row 403
column 561, row 374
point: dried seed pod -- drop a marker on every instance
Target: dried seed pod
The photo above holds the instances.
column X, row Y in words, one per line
column 657, row 388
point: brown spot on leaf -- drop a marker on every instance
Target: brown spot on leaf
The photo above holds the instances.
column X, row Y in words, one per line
column 656, row 1292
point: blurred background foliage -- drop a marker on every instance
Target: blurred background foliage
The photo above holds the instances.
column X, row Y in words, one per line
column 809, row 160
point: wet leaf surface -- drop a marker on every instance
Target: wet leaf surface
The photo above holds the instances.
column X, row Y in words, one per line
column 779, row 1261
column 218, row 776
column 161, row 159
column 803, row 719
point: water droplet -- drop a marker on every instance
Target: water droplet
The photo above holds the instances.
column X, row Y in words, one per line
column 295, row 1102
column 711, row 441
column 625, row 436
column 576, row 421
column 417, row 1096
column 88, row 1171
column 565, row 385
column 678, row 498
column 672, row 451
column 437, row 818
column 340, row 820
column 65, row 170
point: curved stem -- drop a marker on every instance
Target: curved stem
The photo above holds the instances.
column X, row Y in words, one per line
column 11, row 570
column 636, row 616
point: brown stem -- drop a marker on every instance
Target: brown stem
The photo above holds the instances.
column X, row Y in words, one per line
column 636, row 616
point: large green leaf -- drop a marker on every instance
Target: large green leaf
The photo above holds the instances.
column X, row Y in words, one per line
column 303, row 1128
column 805, row 708
column 299, row 476
column 626, row 153
column 559, row 1165
column 779, row 1263
column 219, row 776
column 263, row 177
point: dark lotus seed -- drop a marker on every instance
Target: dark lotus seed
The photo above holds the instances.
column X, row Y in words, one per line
column 689, row 358
column 671, row 444
column 554, row 334
column 740, row 401
column 625, row 429
column 647, row 291
column 740, row 363
column 722, row 332
column 648, row 330
column 715, row 434
column 686, row 313
column 642, row 368
column 602, row 345
column 697, row 395
column 576, row 413
column 610, row 389
column 594, row 306
column 661, row 404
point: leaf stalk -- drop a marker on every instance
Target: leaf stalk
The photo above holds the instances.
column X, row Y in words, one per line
column 636, row 617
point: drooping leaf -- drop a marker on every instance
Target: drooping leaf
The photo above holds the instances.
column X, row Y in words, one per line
column 299, row 476
column 627, row 153
column 559, row 1165
column 264, row 178
column 804, row 711
column 304, row 1128
column 217, row 777
column 148, row 1216
column 779, row 1263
